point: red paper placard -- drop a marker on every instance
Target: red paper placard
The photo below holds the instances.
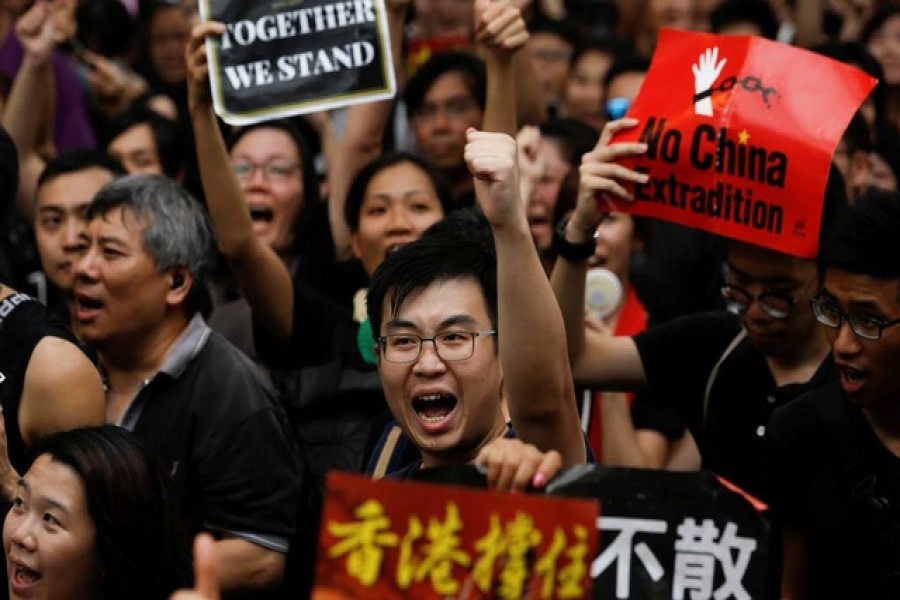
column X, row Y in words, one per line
column 741, row 131
column 398, row 539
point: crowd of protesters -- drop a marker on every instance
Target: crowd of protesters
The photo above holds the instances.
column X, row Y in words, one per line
column 198, row 322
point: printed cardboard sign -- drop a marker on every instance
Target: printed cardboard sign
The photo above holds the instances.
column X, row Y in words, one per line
column 285, row 57
column 391, row 539
column 740, row 133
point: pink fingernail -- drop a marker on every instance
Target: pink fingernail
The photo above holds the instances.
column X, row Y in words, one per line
column 538, row 480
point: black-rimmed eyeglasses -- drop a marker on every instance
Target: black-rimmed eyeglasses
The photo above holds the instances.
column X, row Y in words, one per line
column 450, row 346
column 775, row 304
column 865, row 326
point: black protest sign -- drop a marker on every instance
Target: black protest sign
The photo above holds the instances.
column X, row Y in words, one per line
column 671, row 535
column 279, row 58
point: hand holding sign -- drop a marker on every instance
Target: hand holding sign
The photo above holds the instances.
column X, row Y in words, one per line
column 598, row 177
column 739, row 142
column 512, row 465
column 206, row 586
column 197, row 65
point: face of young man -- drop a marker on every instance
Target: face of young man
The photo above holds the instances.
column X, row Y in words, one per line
column 760, row 271
column 119, row 292
column 869, row 373
column 440, row 124
column 60, row 204
column 448, row 409
column 542, row 202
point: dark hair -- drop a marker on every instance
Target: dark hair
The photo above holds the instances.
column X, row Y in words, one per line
column 176, row 233
column 75, row 161
column 140, row 537
column 452, row 61
column 857, row 136
column 564, row 28
column 575, row 138
column 629, row 63
column 360, row 184
column 9, row 169
column 165, row 132
column 105, row 27
column 460, row 246
column 864, row 239
column 612, row 45
column 833, row 204
column 887, row 146
column 755, row 12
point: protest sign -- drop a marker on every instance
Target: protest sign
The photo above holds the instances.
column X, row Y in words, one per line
column 391, row 539
column 672, row 535
column 740, row 133
column 279, row 58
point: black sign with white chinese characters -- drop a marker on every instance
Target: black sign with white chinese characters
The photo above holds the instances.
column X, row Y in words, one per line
column 672, row 535
column 279, row 58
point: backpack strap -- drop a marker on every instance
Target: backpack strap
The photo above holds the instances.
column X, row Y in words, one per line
column 715, row 370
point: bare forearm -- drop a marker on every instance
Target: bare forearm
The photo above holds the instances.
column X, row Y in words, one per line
column 262, row 276
column 529, row 106
column 244, row 566
column 500, row 107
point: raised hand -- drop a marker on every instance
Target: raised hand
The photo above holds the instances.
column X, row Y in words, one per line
column 36, row 31
column 512, row 465
column 491, row 158
column 197, row 66
column 599, row 176
column 500, row 27
column 706, row 71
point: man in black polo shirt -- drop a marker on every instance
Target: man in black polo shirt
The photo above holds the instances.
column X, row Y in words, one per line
column 192, row 398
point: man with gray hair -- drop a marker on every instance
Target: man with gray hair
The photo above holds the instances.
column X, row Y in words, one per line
column 191, row 397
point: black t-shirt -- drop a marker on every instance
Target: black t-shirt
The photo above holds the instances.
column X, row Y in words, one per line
column 807, row 449
column 24, row 322
column 741, row 401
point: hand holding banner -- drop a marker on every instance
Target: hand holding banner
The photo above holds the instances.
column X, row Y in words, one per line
column 739, row 140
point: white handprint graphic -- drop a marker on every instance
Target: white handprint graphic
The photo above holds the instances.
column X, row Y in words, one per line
column 706, row 71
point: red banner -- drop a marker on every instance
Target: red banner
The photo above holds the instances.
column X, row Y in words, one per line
column 740, row 133
column 398, row 539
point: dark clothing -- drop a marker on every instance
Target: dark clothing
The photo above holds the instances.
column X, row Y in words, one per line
column 219, row 433
column 810, row 479
column 24, row 322
column 678, row 357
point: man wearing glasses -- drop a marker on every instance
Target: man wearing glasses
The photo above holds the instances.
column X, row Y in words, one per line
column 724, row 372
column 458, row 328
column 832, row 464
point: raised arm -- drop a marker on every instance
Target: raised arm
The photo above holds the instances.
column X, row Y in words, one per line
column 501, row 33
column 603, row 361
column 28, row 113
column 361, row 140
column 262, row 276
column 531, row 334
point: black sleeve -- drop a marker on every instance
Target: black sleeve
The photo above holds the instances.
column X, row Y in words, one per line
column 678, row 357
column 786, row 469
column 250, row 481
column 322, row 331
column 646, row 414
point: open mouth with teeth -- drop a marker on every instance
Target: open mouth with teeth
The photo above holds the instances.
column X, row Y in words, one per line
column 24, row 576
column 435, row 410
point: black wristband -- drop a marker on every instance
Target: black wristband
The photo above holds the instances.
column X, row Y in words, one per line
column 566, row 249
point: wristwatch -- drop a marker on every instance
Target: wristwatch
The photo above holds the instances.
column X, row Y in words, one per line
column 566, row 249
